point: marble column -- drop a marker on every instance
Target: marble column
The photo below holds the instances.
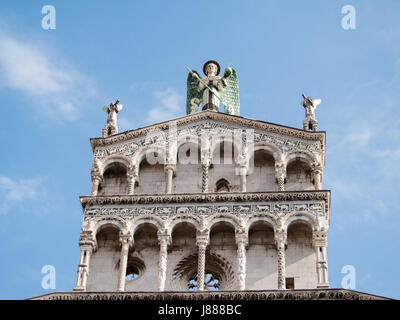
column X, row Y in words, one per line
column 201, row 242
column 280, row 175
column 83, row 267
column 317, row 177
column 243, row 178
column 131, row 183
column 95, row 186
column 126, row 241
column 280, row 241
column 205, row 168
column 241, row 241
column 163, row 240
column 320, row 243
column 169, row 172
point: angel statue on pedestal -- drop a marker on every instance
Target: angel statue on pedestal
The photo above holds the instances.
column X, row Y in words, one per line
column 111, row 126
column 310, row 123
column 213, row 89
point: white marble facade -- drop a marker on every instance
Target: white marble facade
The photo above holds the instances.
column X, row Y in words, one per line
column 208, row 194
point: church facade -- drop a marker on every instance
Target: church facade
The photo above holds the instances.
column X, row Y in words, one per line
column 208, row 203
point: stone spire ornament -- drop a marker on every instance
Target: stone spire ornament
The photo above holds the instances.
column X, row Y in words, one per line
column 212, row 89
column 310, row 124
column 112, row 110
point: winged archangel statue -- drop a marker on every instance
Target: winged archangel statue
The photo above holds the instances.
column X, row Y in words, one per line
column 111, row 126
column 213, row 89
column 310, row 123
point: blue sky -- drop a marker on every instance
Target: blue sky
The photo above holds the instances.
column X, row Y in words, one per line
column 53, row 84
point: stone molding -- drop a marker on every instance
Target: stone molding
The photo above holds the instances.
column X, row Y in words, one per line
column 281, row 140
column 306, row 294
column 208, row 115
column 209, row 197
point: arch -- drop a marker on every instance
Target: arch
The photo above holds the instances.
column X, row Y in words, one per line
column 306, row 156
column 115, row 158
column 305, row 217
column 273, row 149
column 222, row 217
column 141, row 154
column 173, row 221
column 256, row 218
column 119, row 223
column 156, row 221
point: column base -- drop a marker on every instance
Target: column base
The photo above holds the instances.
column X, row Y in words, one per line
column 323, row 286
column 79, row 289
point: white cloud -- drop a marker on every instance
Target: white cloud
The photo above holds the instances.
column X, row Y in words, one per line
column 172, row 105
column 14, row 192
column 54, row 86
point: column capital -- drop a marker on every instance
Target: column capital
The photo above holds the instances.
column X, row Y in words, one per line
column 170, row 166
column 125, row 238
column 96, row 176
column 316, row 167
column 320, row 238
column 163, row 236
column 87, row 241
column 280, row 238
column 241, row 236
column 202, row 238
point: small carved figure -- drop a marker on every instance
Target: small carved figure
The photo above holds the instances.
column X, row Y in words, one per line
column 310, row 105
column 111, row 126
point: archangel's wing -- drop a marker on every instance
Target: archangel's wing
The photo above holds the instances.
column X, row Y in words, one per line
column 316, row 102
column 105, row 109
column 231, row 92
column 191, row 91
column 119, row 107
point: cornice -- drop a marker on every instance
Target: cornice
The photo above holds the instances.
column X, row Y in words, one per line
column 306, row 294
column 217, row 116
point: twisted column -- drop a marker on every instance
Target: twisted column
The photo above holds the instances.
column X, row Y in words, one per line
column 132, row 177
column 280, row 242
column 280, row 175
column 126, row 241
column 241, row 241
column 163, row 240
column 204, row 185
column 201, row 242
column 320, row 242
